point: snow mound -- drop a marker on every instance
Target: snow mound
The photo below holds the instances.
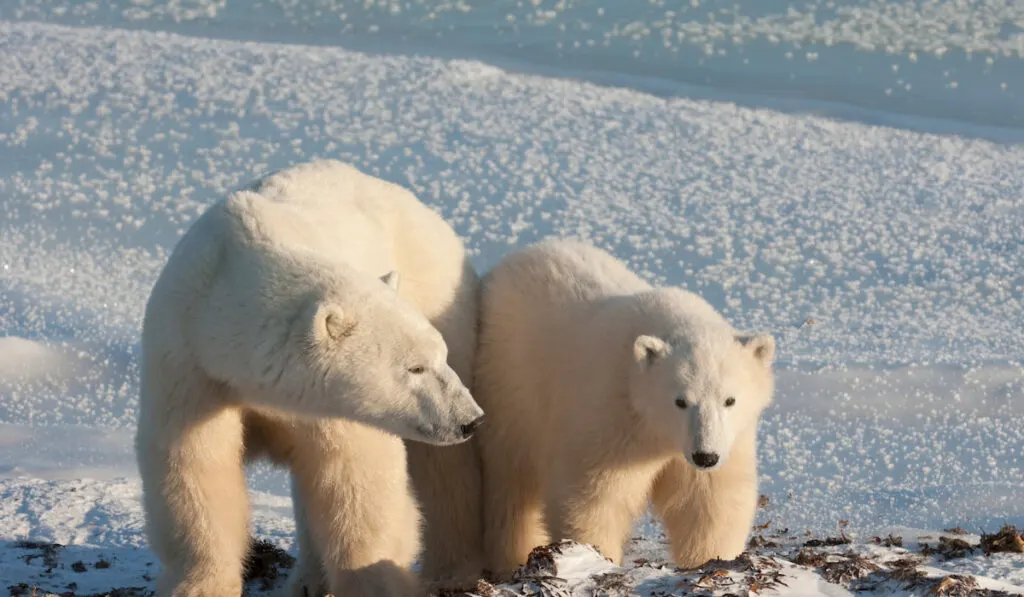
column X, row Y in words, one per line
column 22, row 359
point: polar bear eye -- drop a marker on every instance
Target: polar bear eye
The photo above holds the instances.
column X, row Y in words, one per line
column 730, row 401
column 681, row 403
column 418, row 369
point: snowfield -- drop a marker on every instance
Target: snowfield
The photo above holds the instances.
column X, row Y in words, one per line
column 846, row 175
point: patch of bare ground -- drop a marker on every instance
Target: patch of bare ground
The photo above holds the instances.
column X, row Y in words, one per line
column 49, row 552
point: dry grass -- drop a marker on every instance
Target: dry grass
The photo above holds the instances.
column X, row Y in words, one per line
column 264, row 564
column 954, row 585
column 827, row 542
column 809, row 557
column 949, row 548
column 851, row 567
column 1007, row 540
column 906, row 570
column 890, row 541
column 612, row 584
column 763, row 574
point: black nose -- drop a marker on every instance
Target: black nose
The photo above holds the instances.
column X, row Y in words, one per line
column 468, row 429
column 705, row 459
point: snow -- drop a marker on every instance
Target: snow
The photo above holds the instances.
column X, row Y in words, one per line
column 846, row 175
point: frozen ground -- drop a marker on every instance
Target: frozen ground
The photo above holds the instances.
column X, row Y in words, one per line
column 734, row 148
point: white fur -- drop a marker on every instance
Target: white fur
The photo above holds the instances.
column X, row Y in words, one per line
column 313, row 318
column 579, row 367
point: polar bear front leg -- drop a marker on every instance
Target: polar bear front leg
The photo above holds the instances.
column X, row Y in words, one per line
column 196, row 503
column 513, row 508
column 359, row 508
column 706, row 515
column 597, row 508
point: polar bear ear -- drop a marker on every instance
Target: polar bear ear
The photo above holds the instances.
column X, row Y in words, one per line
column 330, row 324
column 761, row 345
column 391, row 279
column 648, row 349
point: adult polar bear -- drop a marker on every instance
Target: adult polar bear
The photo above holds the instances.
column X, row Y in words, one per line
column 602, row 392
column 272, row 331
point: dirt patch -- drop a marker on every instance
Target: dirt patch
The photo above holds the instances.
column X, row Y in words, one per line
column 49, row 552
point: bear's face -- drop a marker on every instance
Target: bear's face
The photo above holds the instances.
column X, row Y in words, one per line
column 371, row 357
column 700, row 396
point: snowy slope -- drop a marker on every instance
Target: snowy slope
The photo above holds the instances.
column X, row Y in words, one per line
column 916, row 58
column 887, row 260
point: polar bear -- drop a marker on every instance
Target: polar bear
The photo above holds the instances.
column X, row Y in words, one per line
column 603, row 393
column 315, row 318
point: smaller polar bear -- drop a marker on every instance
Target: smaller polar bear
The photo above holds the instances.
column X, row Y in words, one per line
column 603, row 393
column 299, row 320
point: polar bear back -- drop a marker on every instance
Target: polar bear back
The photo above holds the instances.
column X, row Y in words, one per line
column 551, row 326
column 303, row 223
column 334, row 209
column 558, row 270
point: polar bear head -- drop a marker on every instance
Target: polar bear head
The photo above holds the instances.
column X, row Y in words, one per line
column 698, row 383
column 363, row 353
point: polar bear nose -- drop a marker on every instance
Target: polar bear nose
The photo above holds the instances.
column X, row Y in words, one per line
column 468, row 429
column 705, row 459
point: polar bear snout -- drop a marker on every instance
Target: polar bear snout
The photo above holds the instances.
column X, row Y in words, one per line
column 448, row 436
column 469, row 429
column 467, row 416
column 704, row 459
column 449, row 414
